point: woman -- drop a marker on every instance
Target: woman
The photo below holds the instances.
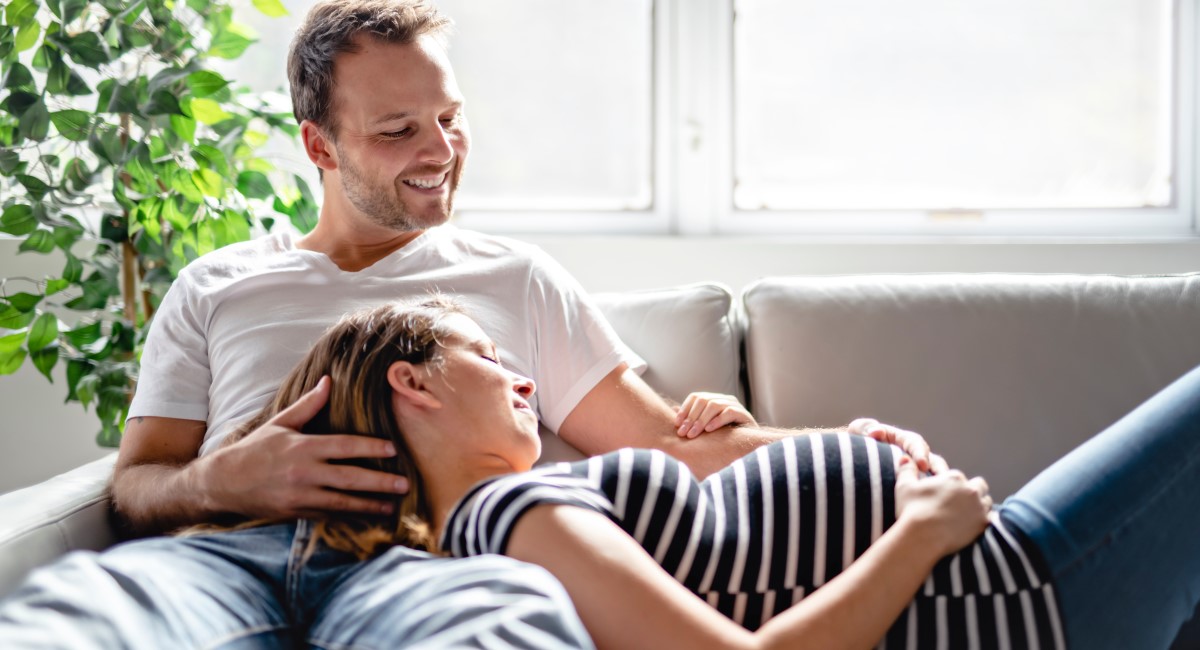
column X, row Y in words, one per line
column 900, row 560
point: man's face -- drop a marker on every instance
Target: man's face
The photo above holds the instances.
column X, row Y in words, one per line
column 401, row 138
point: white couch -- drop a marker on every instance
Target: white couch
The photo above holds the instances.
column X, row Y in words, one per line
column 1002, row 373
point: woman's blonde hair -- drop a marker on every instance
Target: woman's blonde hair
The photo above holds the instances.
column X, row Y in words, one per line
column 356, row 354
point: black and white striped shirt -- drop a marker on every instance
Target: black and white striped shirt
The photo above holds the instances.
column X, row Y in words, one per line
column 762, row 533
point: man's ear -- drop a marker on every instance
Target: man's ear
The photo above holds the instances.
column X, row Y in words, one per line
column 409, row 384
column 318, row 146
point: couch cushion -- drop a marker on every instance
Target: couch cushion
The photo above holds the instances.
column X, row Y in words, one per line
column 65, row 513
column 1002, row 373
column 688, row 336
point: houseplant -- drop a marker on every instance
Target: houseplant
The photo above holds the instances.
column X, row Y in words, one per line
column 125, row 152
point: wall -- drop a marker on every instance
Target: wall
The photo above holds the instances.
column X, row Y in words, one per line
column 40, row 436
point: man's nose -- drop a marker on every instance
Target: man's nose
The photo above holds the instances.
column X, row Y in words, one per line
column 437, row 145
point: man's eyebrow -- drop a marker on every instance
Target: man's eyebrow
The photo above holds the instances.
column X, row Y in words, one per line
column 391, row 116
column 400, row 115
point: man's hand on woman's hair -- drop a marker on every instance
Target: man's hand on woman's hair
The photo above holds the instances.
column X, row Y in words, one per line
column 278, row 472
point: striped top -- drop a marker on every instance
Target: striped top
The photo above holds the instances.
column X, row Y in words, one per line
column 759, row 535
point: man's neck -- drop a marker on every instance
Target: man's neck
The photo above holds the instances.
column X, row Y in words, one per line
column 351, row 242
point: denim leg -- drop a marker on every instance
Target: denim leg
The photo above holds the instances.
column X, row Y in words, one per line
column 409, row 599
column 1117, row 521
column 213, row 591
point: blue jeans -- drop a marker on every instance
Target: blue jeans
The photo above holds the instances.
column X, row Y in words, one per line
column 1118, row 521
column 254, row 589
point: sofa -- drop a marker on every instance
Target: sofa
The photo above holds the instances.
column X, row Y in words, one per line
column 1002, row 373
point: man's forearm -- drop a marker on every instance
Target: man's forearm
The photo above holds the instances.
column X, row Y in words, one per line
column 713, row 451
column 153, row 498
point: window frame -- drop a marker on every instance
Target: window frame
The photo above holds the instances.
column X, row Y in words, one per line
column 692, row 139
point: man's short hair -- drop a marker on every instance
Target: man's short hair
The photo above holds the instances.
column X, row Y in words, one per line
column 331, row 28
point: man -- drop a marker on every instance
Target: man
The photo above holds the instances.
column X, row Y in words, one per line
column 382, row 118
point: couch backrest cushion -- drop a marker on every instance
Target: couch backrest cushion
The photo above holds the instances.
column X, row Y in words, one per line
column 1002, row 373
column 689, row 336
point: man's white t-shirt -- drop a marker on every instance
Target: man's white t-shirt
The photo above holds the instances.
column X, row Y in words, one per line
column 237, row 320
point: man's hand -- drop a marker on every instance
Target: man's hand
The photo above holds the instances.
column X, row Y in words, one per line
column 911, row 442
column 278, row 472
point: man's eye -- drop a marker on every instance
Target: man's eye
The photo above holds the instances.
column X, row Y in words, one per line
column 450, row 121
column 493, row 360
column 397, row 134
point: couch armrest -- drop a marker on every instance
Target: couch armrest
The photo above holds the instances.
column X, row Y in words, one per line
column 44, row 521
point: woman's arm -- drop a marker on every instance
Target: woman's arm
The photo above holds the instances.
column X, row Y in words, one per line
column 627, row 601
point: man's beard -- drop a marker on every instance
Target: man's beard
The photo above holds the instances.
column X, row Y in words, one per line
column 384, row 206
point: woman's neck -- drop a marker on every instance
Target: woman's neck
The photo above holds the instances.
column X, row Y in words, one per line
column 447, row 482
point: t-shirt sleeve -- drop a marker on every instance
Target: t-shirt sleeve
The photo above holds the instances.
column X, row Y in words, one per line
column 175, row 377
column 483, row 521
column 576, row 345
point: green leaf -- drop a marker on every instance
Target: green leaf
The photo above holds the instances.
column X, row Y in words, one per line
column 36, row 187
column 255, row 185
column 165, row 79
column 43, row 333
column 272, row 8
column 184, row 127
column 66, row 236
column 71, row 9
column 73, row 125
column 230, row 42
column 35, row 122
column 172, row 214
column 206, row 111
column 84, row 334
column 18, row 220
column 209, row 182
column 24, row 301
column 87, row 49
column 148, row 214
column 19, row 77
column 54, row 285
column 109, row 436
column 77, row 175
column 27, row 36
column 73, row 271
column 85, row 389
column 182, row 182
column 12, row 319
column 162, row 103
column 40, row 241
column 76, row 370
column 45, row 359
column 11, row 343
column 10, row 363
column 76, row 85
column 6, row 41
column 9, row 160
column 20, row 11
column 205, row 82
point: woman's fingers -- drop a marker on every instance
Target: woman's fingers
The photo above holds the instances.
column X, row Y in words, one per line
column 911, row 442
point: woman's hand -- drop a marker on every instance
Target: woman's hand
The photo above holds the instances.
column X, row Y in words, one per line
column 704, row 412
column 911, row 442
column 949, row 507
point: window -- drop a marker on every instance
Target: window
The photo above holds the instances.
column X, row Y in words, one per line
column 866, row 117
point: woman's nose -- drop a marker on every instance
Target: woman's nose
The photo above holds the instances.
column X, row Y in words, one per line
column 524, row 386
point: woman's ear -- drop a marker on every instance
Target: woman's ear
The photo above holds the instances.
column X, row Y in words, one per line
column 409, row 383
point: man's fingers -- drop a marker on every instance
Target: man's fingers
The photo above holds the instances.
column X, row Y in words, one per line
column 341, row 445
column 321, row 502
column 302, row 410
column 360, row 479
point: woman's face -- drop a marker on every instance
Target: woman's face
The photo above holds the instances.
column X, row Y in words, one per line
column 484, row 405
